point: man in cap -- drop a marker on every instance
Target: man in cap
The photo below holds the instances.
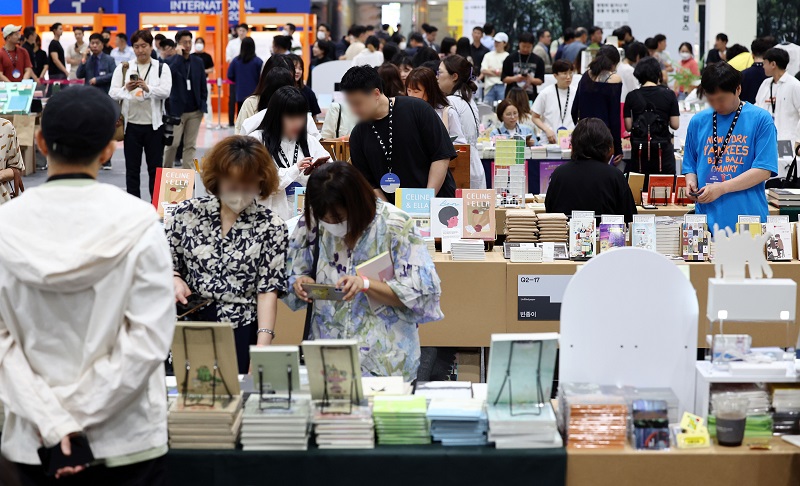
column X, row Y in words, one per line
column 15, row 63
column 98, row 259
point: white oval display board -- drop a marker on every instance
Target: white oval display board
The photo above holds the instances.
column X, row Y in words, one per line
column 629, row 317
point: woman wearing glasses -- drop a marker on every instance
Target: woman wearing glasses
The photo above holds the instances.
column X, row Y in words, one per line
column 552, row 108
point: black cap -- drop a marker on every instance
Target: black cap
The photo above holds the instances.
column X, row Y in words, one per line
column 79, row 121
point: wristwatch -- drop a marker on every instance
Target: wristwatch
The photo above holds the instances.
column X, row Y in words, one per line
column 366, row 285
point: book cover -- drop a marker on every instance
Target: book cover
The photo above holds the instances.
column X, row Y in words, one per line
column 695, row 239
column 334, row 370
column 754, row 229
column 479, row 213
column 660, row 188
column 270, row 367
column 643, row 235
column 785, row 194
column 173, row 186
column 415, row 202
column 779, row 243
column 681, row 192
column 378, row 269
column 611, row 236
column 582, row 238
column 564, row 139
column 208, row 349
column 546, row 169
column 299, row 200
column 515, row 363
column 446, row 213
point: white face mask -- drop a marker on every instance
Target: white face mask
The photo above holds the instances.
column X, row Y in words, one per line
column 199, row 47
column 686, row 56
column 321, row 35
column 339, row 229
column 237, row 201
column 403, row 45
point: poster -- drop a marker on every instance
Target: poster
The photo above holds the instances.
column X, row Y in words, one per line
column 610, row 14
column 474, row 15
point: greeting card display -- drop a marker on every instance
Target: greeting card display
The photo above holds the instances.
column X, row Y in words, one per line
column 643, row 231
column 582, row 235
column 779, row 244
column 659, row 189
column 695, row 238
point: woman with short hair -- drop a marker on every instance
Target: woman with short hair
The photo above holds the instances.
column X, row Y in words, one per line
column 230, row 250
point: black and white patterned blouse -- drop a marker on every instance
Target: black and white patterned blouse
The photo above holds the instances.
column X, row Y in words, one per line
column 250, row 260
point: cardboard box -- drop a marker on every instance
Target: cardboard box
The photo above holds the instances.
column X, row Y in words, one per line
column 469, row 365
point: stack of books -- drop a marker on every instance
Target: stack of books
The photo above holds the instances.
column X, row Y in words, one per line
column 521, row 226
column 528, row 426
column 784, row 198
column 553, row 151
column 203, row 425
column 553, row 227
column 401, row 420
column 593, row 416
column 354, row 430
column 539, row 152
column 274, row 427
column 668, row 236
column 467, row 250
column 786, row 402
column 458, row 421
column 444, row 389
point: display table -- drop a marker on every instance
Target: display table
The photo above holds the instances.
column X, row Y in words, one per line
column 384, row 465
column 481, row 298
column 716, row 466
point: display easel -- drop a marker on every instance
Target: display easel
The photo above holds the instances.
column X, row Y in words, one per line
column 507, row 381
column 306, row 26
column 217, row 375
column 262, row 400
column 326, row 397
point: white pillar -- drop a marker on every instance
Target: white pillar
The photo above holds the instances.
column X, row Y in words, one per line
column 736, row 18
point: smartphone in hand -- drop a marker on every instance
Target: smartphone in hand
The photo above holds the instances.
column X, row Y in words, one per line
column 317, row 163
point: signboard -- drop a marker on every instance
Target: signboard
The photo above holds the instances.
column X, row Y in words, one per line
column 610, row 14
column 539, row 296
column 474, row 16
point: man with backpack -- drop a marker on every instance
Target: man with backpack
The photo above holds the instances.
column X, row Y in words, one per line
column 650, row 112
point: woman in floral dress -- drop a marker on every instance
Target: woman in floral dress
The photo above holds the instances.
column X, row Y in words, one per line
column 354, row 227
column 230, row 250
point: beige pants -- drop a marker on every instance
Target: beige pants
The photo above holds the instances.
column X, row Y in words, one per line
column 188, row 129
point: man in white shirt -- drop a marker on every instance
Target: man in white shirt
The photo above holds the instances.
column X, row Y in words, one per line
column 635, row 52
column 123, row 52
column 358, row 36
column 488, row 36
column 88, row 271
column 492, row 67
column 779, row 94
column 553, row 107
column 76, row 51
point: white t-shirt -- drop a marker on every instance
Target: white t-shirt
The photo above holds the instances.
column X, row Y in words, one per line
column 367, row 58
column 786, row 111
column 629, row 82
column 233, row 49
column 140, row 110
column 492, row 60
column 551, row 105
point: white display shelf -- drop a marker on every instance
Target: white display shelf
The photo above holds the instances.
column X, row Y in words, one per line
column 706, row 376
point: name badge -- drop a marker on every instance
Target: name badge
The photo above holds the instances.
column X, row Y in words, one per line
column 390, row 183
column 16, row 74
column 188, row 85
column 102, row 73
column 713, row 177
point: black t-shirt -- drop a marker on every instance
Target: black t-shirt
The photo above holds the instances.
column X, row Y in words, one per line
column 663, row 99
column 208, row 61
column 477, row 54
column 419, row 139
column 55, row 46
column 589, row 185
column 752, row 78
column 517, row 63
column 39, row 61
column 311, row 98
column 657, row 157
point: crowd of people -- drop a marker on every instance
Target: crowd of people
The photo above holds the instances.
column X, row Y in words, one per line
column 115, row 274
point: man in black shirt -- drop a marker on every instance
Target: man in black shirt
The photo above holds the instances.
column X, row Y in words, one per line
column 753, row 76
column 524, row 68
column 477, row 50
column 57, row 64
column 398, row 142
column 29, row 34
column 720, row 46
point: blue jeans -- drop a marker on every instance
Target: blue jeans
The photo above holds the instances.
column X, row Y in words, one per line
column 495, row 93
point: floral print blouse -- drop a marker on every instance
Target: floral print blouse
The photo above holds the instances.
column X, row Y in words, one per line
column 388, row 338
column 249, row 260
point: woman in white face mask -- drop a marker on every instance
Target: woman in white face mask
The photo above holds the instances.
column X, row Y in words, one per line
column 283, row 132
column 344, row 226
column 229, row 252
column 688, row 63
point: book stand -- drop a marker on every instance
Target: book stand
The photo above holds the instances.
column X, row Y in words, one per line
column 216, row 374
column 507, row 380
column 326, row 399
column 262, row 399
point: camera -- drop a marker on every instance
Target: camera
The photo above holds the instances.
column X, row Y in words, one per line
column 170, row 122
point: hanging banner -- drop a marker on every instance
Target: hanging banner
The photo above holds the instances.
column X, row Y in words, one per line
column 610, row 14
column 474, row 16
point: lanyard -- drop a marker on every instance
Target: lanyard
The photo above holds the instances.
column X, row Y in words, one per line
column 14, row 60
column 772, row 98
column 145, row 74
column 558, row 97
column 387, row 151
column 718, row 153
column 285, row 158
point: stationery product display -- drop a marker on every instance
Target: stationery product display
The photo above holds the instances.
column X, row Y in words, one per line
column 522, row 226
column 401, row 420
column 510, row 183
column 538, row 152
column 612, row 232
column 643, row 232
column 553, row 227
column 458, row 421
column 479, row 213
column 379, row 269
column 593, row 416
column 353, row 430
column 692, row 433
column 467, row 250
column 650, row 425
column 695, row 238
column 509, row 152
column 582, row 235
column 749, row 224
column 276, row 428
column 660, row 189
column 668, row 236
column 417, row 204
column 334, row 373
column 447, row 220
column 521, row 369
column 16, row 98
column 173, row 186
column 779, row 243
column 564, row 139
column 529, row 255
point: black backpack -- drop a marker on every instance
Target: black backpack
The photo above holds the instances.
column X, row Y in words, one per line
column 649, row 132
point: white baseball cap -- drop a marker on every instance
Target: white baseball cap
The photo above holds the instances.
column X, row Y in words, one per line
column 10, row 29
column 501, row 37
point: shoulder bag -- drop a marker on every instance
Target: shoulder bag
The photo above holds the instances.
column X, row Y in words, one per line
column 791, row 181
column 119, row 131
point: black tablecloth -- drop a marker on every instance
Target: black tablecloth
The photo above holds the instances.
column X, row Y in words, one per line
column 432, row 465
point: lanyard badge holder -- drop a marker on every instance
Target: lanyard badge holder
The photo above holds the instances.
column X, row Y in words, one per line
column 390, row 182
column 714, row 175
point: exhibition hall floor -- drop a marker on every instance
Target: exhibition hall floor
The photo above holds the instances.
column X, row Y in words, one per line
column 116, row 176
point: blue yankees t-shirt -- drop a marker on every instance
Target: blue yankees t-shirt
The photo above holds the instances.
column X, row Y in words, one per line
column 753, row 144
